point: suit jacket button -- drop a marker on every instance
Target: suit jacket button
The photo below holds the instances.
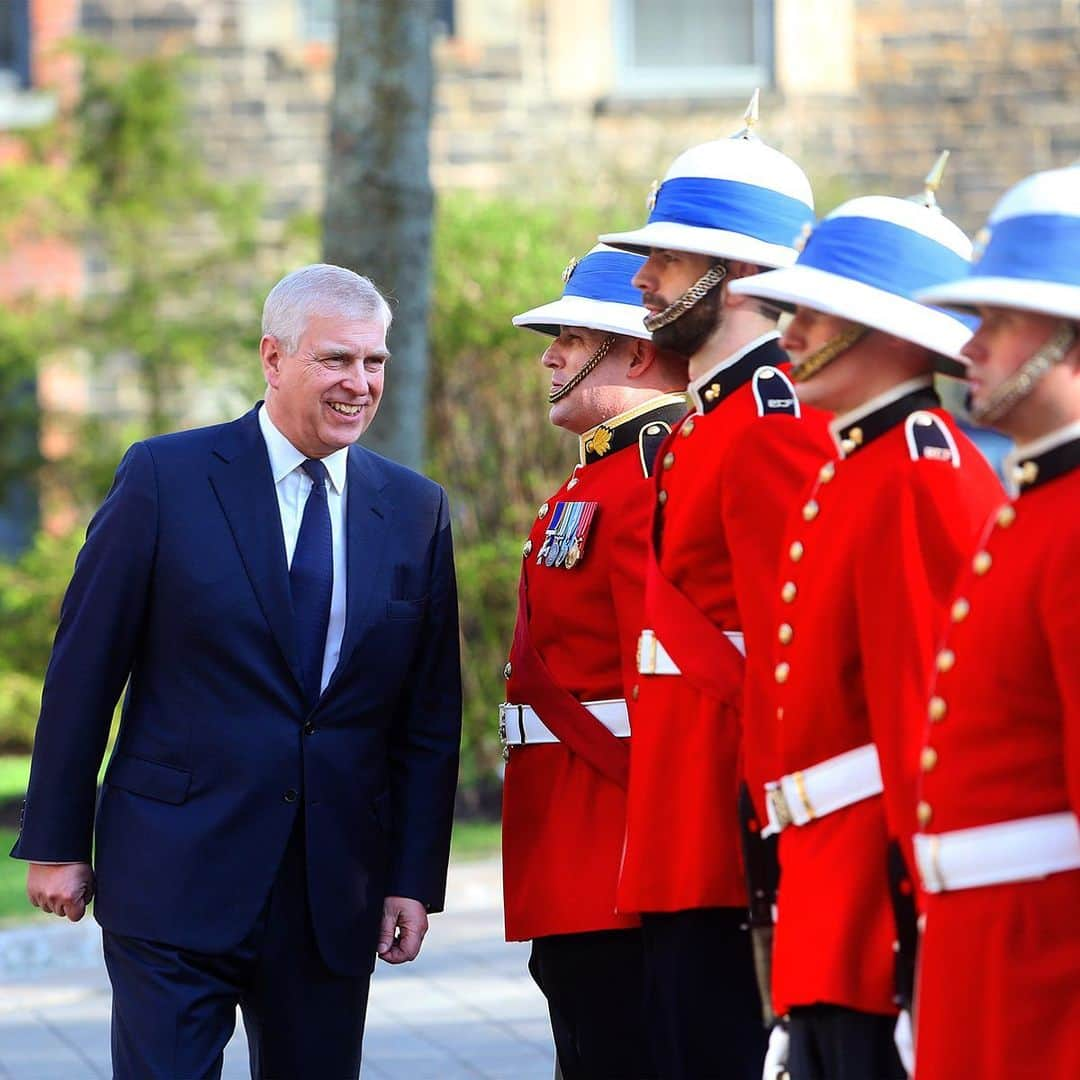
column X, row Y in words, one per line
column 291, row 795
column 309, row 728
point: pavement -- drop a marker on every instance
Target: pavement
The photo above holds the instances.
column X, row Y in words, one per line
column 465, row 1009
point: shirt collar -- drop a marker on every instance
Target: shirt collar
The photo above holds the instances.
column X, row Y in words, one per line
column 882, row 413
column 706, row 401
column 284, row 457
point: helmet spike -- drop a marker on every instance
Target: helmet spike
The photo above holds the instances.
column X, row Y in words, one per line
column 933, row 181
column 750, row 118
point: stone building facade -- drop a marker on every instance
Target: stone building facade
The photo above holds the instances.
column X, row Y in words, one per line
column 866, row 91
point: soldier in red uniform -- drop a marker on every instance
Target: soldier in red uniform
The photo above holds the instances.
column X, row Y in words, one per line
column 998, row 846
column 868, row 560
column 726, row 477
column 566, row 724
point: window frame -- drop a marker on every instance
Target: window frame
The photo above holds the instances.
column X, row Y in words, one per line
column 682, row 80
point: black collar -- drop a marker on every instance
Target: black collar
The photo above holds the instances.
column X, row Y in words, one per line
column 626, row 429
column 1045, row 459
column 862, row 426
column 719, row 384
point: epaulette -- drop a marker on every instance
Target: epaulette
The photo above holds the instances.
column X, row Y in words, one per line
column 928, row 437
column 774, row 393
column 650, row 438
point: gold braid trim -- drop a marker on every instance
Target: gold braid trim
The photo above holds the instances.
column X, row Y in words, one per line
column 828, row 353
column 586, row 370
column 704, row 284
column 1022, row 381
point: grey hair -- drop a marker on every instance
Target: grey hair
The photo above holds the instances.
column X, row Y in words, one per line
column 319, row 289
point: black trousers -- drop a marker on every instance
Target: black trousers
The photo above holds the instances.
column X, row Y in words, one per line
column 174, row 1010
column 829, row 1042
column 593, row 983
column 701, row 996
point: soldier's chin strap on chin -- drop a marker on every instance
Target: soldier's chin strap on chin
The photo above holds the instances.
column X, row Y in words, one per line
column 828, row 352
column 704, row 284
column 1022, row 381
column 586, row 370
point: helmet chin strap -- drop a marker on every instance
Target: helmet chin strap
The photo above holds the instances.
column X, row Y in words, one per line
column 704, row 284
column 828, row 352
column 1022, row 381
column 586, row 370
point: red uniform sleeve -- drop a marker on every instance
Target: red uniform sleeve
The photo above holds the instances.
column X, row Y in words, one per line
column 627, row 575
column 765, row 475
column 1060, row 615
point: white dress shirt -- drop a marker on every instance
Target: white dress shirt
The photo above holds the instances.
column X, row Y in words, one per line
column 293, row 486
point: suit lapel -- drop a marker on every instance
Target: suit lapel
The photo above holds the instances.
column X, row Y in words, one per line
column 241, row 478
column 367, row 520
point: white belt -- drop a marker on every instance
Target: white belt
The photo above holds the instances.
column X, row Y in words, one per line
column 654, row 659
column 1020, row 850
column 519, row 725
column 801, row 797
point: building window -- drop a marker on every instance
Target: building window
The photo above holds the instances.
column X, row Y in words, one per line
column 318, row 20
column 692, row 46
column 15, row 43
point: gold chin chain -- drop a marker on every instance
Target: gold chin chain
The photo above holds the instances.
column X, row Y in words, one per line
column 828, row 352
column 704, row 284
column 1022, row 381
column 586, row 370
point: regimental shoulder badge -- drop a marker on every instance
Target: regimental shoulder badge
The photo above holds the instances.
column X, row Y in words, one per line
column 774, row 393
column 928, row 437
column 567, row 534
column 650, row 438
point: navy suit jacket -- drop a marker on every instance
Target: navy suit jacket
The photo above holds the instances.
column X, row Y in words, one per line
column 182, row 592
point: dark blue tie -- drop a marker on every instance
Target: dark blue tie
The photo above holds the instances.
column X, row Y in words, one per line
column 311, row 578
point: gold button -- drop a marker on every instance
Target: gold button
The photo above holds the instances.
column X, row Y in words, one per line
column 856, row 436
column 1006, row 516
column 796, row 551
column 526, row 551
column 508, row 670
column 828, row 471
column 687, row 428
column 713, row 392
column 573, row 483
column 928, row 759
column 847, row 446
column 662, row 498
column 789, row 592
column 653, row 429
column 937, row 708
column 782, row 672
column 981, row 563
column 810, row 510
column 945, row 660
column 785, row 633
column 960, row 609
column 924, row 812
column 669, row 460
column 634, row 693
column 542, row 512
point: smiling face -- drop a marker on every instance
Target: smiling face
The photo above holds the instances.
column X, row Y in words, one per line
column 323, row 394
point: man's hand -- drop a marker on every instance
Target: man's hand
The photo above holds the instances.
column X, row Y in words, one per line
column 65, row 889
column 404, row 924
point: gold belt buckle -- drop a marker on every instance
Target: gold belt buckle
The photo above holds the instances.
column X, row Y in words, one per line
column 781, row 810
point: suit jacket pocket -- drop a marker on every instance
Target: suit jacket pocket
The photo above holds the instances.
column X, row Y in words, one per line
column 150, row 778
column 406, row 609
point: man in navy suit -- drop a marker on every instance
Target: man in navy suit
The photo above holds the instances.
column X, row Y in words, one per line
column 282, row 607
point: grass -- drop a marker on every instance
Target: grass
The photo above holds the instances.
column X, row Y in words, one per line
column 13, row 902
column 14, row 774
column 475, row 840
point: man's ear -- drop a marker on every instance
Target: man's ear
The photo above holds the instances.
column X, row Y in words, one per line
column 736, row 270
column 270, row 353
column 642, row 356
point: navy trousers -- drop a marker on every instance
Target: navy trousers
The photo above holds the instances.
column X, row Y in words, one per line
column 829, row 1042
column 701, row 995
column 174, row 1010
column 594, row 985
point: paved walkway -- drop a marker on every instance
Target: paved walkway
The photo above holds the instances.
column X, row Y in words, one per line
column 465, row 1009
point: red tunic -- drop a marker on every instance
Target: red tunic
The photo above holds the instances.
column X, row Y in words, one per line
column 563, row 821
column 724, row 482
column 999, row 981
column 868, row 563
